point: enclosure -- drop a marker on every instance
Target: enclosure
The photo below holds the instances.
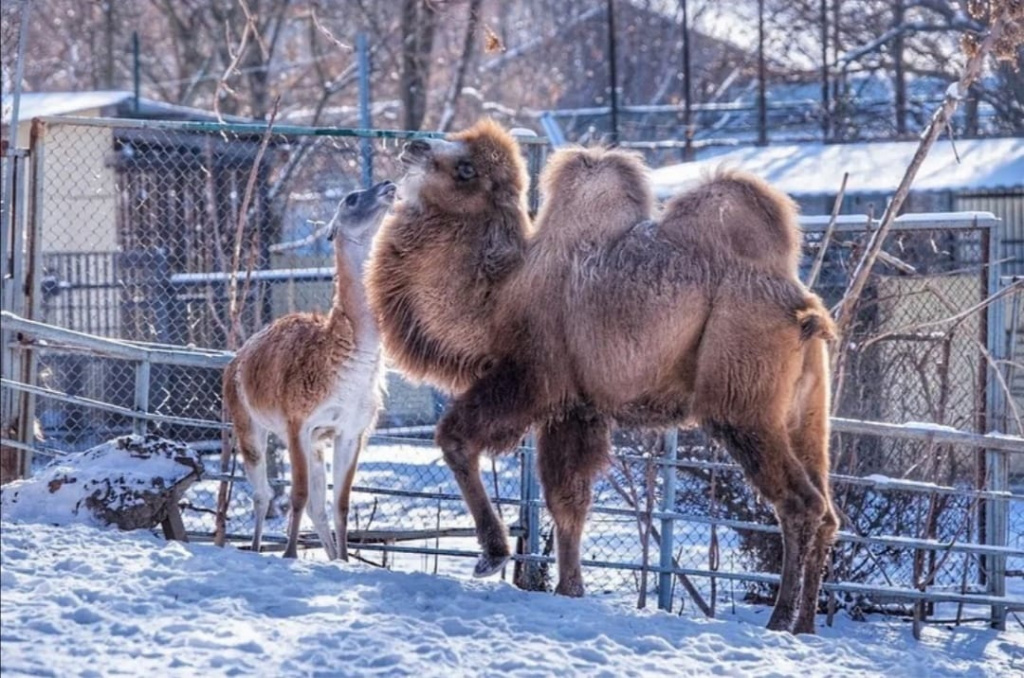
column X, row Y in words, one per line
column 144, row 252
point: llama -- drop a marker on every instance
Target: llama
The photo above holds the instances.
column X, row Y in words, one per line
column 307, row 377
column 606, row 317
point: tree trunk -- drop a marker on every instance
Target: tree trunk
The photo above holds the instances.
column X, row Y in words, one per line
column 419, row 22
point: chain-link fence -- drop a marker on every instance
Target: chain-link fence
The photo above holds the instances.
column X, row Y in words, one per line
column 137, row 228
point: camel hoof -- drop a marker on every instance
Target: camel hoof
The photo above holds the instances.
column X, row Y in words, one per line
column 780, row 619
column 488, row 564
column 570, row 589
column 807, row 628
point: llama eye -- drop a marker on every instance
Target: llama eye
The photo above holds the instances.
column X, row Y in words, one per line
column 465, row 171
column 350, row 201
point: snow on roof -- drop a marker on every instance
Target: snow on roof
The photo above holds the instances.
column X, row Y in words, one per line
column 39, row 104
column 874, row 167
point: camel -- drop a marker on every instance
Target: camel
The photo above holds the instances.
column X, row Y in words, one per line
column 307, row 377
column 606, row 317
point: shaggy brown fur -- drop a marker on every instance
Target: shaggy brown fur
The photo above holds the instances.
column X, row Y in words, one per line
column 308, row 375
column 613, row 317
column 465, row 215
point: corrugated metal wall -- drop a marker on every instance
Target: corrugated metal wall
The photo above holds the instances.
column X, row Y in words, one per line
column 1008, row 206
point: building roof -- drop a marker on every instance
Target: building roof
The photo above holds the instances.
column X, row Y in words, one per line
column 118, row 103
column 874, row 167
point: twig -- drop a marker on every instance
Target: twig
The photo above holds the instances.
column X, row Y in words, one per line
column 812, row 278
column 938, row 123
column 956, row 318
column 234, row 307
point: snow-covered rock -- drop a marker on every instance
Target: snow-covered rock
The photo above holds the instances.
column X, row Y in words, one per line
column 128, row 482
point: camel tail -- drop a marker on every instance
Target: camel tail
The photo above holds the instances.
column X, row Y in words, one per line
column 815, row 321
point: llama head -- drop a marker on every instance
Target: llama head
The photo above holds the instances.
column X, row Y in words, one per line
column 472, row 172
column 360, row 213
column 609, row 184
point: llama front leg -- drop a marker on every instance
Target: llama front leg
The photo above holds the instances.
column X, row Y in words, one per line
column 346, row 457
column 570, row 452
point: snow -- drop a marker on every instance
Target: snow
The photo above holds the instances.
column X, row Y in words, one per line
column 77, row 600
column 817, row 169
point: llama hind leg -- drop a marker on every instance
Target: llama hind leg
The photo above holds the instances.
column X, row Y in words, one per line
column 300, row 486
column 570, row 452
column 317, row 506
column 346, row 457
column 769, row 464
column 252, row 443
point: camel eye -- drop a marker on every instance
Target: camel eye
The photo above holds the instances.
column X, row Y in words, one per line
column 350, row 201
column 465, row 171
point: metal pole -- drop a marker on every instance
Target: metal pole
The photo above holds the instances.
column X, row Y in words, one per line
column 668, row 506
column 613, row 76
column 33, row 287
column 824, row 72
column 142, row 376
column 8, row 187
column 529, row 508
column 997, row 471
column 687, row 85
column 135, row 68
column 365, row 147
column 762, row 102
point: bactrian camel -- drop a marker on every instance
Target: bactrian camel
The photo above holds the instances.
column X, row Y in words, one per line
column 308, row 378
column 605, row 316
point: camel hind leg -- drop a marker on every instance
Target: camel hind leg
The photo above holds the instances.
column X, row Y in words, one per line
column 764, row 453
column 570, row 452
column 809, row 436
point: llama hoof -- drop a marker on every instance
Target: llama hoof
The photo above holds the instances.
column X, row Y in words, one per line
column 489, row 563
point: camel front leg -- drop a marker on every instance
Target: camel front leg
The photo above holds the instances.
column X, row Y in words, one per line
column 570, row 452
column 493, row 414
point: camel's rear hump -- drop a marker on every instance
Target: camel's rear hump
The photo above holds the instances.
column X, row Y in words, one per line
column 737, row 212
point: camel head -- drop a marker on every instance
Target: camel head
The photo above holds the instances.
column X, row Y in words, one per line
column 472, row 172
column 360, row 213
column 595, row 186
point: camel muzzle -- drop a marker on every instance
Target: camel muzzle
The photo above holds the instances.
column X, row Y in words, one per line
column 416, row 151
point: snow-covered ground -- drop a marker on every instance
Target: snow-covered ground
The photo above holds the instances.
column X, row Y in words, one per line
column 77, row 600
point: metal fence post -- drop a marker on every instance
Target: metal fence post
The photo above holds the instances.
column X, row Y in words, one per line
column 143, row 368
column 997, row 470
column 529, row 510
column 668, row 507
column 32, row 276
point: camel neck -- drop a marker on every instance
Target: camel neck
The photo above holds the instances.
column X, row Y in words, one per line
column 350, row 301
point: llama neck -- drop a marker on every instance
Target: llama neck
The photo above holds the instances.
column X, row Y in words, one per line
column 350, row 302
